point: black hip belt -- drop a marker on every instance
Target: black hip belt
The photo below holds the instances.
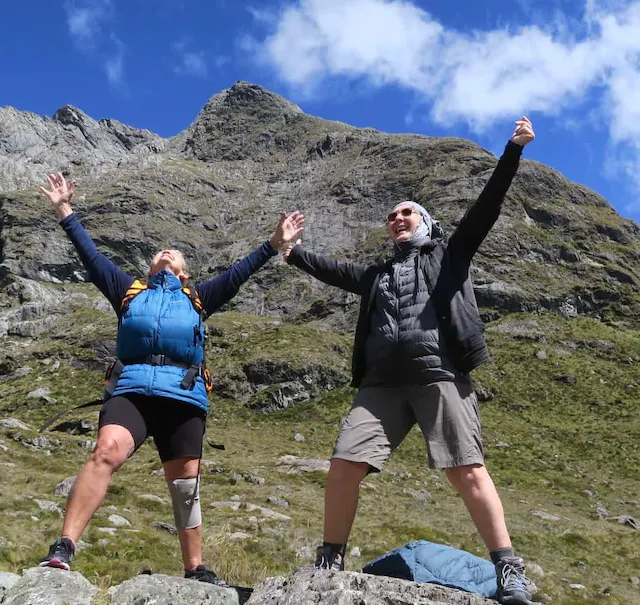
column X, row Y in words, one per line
column 157, row 360
column 188, row 382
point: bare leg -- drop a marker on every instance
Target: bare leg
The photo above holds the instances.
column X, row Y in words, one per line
column 115, row 444
column 483, row 503
column 190, row 539
column 341, row 498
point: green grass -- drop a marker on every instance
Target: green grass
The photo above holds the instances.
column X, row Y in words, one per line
column 557, row 447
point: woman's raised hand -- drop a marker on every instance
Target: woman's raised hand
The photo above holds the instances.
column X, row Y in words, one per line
column 290, row 227
column 60, row 194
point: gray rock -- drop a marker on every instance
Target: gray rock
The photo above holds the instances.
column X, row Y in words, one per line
column 629, row 521
column 74, row 427
column 158, row 589
column 171, row 529
column 267, row 513
column 14, row 423
column 313, row 587
column 228, row 504
column 64, row 487
column 41, row 393
column 19, row 373
column 577, row 587
column 48, row 506
column 421, row 495
column 119, row 521
column 294, row 465
column 600, row 512
column 541, row 355
column 355, row 552
column 7, row 580
column 44, row 585
column 40, row 443
column 542, row 514
column 238, row 536
column 275, row 500
column 299, row 437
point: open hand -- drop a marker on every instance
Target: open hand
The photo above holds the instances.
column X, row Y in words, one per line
column 60, row 194
column 288, row 249
column 289, row 228
column 523, row 133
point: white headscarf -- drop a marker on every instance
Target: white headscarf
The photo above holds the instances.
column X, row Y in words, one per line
column 427, row 228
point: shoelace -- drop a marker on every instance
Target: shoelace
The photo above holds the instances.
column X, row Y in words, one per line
column 62, row 548
column 513, row 578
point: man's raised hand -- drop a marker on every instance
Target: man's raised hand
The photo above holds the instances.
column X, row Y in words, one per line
column 523, row 133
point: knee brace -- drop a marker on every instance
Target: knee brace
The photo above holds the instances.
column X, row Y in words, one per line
column 185, row 496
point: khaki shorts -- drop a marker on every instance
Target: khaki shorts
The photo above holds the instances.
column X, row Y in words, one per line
column 381, row 417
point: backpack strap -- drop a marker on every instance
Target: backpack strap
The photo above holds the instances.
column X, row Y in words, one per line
column 134, row 289
column 195, row 300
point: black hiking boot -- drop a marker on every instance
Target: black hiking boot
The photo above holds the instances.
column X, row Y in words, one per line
column 326, row 558
column 512, row 583
column 60, row 554
column 202, row 574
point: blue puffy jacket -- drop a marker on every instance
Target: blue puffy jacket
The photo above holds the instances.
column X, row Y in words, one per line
column 161, row 320
column 423, row 561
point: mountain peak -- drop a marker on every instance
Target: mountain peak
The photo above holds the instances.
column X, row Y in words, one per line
column 247, row 97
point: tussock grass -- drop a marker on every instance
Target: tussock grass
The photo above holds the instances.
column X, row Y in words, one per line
column 546, row 443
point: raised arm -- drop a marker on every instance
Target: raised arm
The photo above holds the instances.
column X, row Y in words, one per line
column 347, row 276
column 112, row 281
column 482, row 215
column 221, row 289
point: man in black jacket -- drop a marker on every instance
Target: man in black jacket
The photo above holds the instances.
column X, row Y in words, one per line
column 418, row 336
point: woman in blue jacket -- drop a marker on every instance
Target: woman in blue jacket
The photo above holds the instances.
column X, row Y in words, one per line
column 158, row 385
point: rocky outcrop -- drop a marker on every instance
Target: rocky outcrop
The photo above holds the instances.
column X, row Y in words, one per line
column 216, row 189
column 311, row 587
column 51, row 586
column 70, row 141
column 306, row 587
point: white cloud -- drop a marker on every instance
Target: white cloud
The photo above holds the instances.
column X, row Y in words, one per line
column 88, row 22
column 476, row 78
column 114, row 64
column 85, row 20
column 190, row 63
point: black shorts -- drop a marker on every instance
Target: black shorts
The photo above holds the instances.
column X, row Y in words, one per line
column 177, row 427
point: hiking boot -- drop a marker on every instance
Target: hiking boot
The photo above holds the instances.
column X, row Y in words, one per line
column 60, row 554
column 328, row 559
column 202, row 574
column 512, row 583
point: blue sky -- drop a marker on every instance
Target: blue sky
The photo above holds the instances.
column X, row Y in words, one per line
column 435, row 67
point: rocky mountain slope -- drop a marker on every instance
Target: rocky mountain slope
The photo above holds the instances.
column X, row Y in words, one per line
column 557, row 281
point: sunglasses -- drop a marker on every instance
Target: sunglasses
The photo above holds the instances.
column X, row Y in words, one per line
column 404, row 212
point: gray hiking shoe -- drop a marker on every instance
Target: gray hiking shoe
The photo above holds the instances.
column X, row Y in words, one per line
column 328, row 559
column 202, row 574
column 512, row 583
column 60, row 554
